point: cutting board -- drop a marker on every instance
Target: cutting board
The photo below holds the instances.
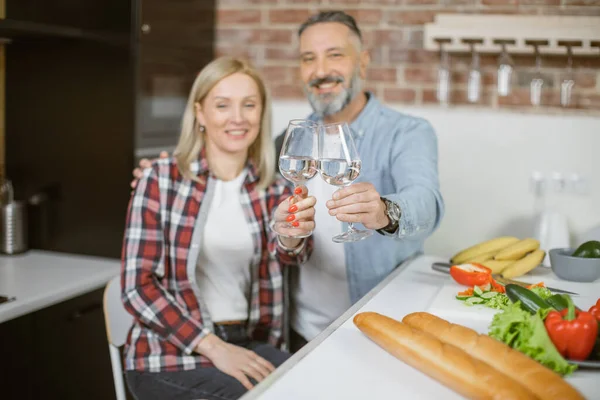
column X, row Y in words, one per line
column 477, row 317
column 446, row 306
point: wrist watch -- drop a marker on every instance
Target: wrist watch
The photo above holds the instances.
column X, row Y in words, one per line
column 393, row 212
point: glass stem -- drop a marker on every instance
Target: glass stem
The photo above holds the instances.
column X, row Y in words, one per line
column 351, row 227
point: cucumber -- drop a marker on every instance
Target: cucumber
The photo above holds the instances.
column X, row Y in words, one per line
column 529, row 301
column 474, row 300
column 558, row 302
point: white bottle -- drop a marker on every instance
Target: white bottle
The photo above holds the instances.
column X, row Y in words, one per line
column 551, row 228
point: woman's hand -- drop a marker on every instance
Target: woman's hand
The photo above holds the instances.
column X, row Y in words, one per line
column 294, row 216
column 144, row 163
column 235, row 361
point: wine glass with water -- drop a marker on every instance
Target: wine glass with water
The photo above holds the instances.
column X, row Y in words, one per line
column 339, row 164
column 298, row 158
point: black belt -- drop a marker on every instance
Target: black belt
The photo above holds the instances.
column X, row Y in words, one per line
column 234, row 333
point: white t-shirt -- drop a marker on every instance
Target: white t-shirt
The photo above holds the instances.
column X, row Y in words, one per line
column 223, row 267
column 322, row 293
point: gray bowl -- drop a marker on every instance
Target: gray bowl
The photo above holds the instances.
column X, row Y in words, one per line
column 576, row 269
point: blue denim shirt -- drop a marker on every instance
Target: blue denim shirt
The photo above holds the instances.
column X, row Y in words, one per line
column 400, row 158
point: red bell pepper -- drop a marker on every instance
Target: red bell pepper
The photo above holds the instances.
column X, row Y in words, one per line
column 573, row 332
column 471, row 274
column 539, row 284
column 595, row 310
column 497, row 287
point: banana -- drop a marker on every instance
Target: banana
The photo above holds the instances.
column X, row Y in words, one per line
column 482, row 248
column 524, row 265
column 496, row 266
column 518, row 250
column 483, row 257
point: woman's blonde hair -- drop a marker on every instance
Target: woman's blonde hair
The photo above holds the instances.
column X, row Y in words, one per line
column 191, row 140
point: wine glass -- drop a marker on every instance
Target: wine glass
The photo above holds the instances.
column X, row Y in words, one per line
column 298, row 158
column 443, row 85
column 505, row 69
column 339, row 165
column 474, row 81
column 537, row 83
column 568, row 81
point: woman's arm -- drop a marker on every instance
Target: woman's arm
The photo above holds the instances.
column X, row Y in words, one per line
column 286, row 250
column 143, row 261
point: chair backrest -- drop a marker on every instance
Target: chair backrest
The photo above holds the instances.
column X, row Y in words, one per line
column 118, row 320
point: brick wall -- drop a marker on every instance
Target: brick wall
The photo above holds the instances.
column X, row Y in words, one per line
column 401, row 71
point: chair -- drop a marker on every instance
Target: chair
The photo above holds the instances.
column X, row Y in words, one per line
column 118, row 321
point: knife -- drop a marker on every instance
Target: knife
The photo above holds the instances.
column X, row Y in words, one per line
column 445, row 268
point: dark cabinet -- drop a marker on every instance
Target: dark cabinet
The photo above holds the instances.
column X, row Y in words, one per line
column 174, row 43
column 91, row 87
column 17, row 355
column 59, row 352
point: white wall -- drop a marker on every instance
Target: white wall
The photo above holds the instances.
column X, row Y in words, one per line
column 486, row 160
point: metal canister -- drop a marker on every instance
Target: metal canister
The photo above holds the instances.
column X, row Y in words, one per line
column 13, row 228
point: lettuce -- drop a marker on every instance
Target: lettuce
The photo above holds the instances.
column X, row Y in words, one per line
column 499, row 302
column 527, row 333
column 543, row 292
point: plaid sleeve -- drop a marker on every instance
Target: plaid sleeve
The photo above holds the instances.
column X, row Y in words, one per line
column 278, row 192
column 143, row 262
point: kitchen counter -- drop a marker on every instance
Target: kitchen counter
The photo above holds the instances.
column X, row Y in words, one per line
column 39, row 279
column 342, row 363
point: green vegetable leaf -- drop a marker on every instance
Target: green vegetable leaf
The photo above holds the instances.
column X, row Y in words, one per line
column 527, row 333
column 498, row 302
column 489, row 295
column 543, row 292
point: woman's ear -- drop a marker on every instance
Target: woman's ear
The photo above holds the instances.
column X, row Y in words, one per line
column 199, row 114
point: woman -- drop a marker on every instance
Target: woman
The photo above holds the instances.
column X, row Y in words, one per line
column 201, row 267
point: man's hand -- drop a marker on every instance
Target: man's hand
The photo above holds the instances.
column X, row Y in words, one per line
column 359, row 203
column 295, row 216
column 144, row 163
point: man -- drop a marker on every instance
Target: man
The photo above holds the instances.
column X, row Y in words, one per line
column 397, row 192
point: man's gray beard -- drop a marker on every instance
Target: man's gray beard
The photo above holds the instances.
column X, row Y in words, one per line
column 329, row 104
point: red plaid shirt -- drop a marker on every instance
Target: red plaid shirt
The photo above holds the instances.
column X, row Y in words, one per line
column 157, row 289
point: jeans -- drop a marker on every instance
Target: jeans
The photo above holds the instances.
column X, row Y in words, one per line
column 297, row 341
column 203, row 382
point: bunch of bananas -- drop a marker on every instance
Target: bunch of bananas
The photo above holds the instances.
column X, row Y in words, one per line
column 506, row 255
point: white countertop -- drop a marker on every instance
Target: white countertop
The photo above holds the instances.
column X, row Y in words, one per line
column 39, row 279
column 342, row 363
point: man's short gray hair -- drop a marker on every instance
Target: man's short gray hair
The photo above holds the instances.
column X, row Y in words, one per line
column 332, row 16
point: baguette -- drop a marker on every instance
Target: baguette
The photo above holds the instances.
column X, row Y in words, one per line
column 443, row 362
column 540, row 380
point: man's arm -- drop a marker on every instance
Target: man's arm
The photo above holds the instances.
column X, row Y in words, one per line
column 414, row 166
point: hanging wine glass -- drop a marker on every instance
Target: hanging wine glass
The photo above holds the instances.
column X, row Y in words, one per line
column 505, row 69
column 568, row 81
column 474, row 81
column 537, row 83
column 443, row 87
